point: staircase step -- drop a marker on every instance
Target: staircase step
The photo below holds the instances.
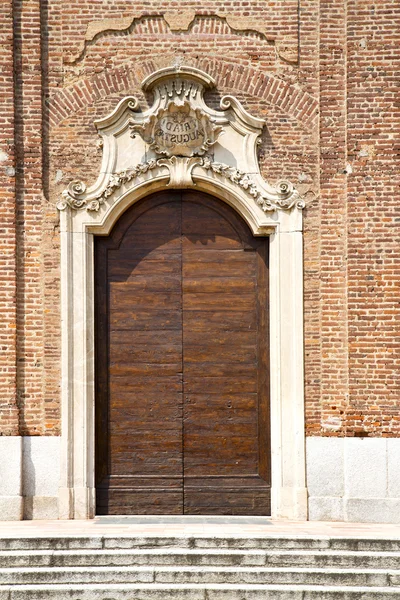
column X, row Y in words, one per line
column 228, row 542
column 152, row 557
column 195, row 592
column 197, row 575
column 112, row 567
column 211, row 557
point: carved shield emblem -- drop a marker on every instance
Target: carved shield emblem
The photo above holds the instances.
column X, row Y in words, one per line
column 178, row 130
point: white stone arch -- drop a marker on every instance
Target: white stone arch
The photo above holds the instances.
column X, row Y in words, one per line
column 273, row 211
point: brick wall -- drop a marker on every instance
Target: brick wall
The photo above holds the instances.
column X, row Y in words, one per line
column 323, row 76
column 373, row 216
column 8, row 364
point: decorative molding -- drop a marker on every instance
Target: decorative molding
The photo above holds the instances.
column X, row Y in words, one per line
column 181, row 176
column 287, row 48
column 228, row 102
column 286, row 196
column 181, row 127
column 73, row 195
column 180, row 170
column 187, row 76
column 129, row 102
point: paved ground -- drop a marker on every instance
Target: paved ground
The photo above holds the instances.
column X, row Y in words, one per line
column 195, row 526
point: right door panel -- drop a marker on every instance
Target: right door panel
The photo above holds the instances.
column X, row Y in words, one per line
column 225, row 362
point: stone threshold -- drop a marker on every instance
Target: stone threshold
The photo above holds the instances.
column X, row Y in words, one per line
column 201, row 526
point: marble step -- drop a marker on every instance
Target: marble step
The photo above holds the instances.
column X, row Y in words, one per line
column 195, row 592
column 205, row 557
column 197, row 575
column 240, row 543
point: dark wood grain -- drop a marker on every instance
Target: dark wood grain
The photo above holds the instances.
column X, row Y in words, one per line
column 221, row 428
column 142, row 403
column 182, row 364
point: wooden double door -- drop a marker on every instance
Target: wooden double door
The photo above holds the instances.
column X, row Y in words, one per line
column 182, row 408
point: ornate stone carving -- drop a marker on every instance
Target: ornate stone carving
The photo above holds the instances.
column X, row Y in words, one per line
column 180, row 173
column 178, row 130
column 180, row 176
column 180, row 170
column 180, row 136
column 71, row 196
column 286, row 197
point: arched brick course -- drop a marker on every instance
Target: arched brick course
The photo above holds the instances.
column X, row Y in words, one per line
column 287, row 98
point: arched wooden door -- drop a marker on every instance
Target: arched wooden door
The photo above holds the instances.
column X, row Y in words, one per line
column 182, row 409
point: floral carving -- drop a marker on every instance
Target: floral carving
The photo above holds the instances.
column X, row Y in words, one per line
column 178, row 130
column 71, row 196
column 181, row 176
column 286, row 197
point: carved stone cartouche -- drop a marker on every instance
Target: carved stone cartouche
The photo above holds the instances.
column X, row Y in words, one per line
column 178, row 130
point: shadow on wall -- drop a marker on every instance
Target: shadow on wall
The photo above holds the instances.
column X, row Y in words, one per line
column 28, row 477
column 40, row 476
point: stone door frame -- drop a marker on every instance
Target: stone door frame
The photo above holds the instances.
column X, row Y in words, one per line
column 77, row 491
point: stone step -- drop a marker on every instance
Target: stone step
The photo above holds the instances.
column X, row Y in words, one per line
column 204, row 557
column 195, row 592
column 239, row 543
column 205, row 575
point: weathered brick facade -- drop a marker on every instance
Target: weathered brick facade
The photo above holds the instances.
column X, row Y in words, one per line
column 322, row 74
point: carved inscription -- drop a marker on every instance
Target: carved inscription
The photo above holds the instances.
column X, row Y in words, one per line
column 178, row 130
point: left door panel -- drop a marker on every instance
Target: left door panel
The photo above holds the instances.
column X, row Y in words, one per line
column 139, row 462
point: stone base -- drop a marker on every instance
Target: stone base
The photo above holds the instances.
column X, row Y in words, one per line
column 29, row 477
column 11, row 508
column 353, row 479
column 40, row 507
